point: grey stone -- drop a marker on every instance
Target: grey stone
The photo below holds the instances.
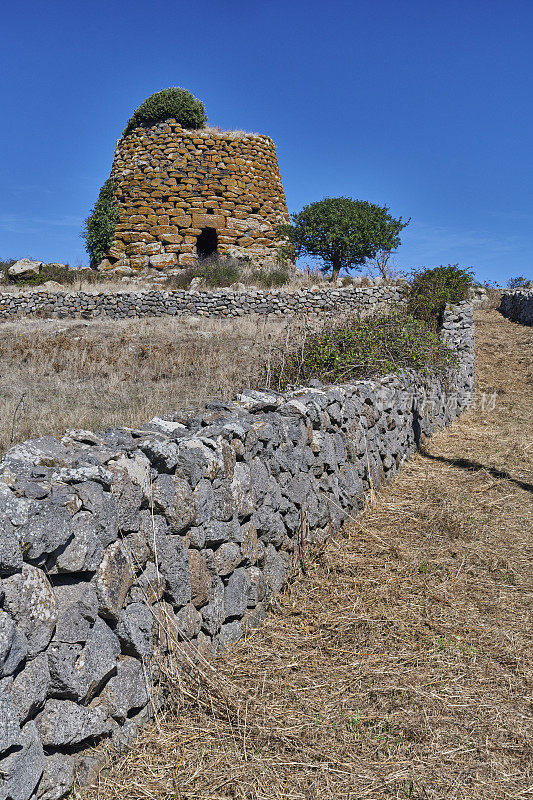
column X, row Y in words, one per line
column 253, row 618
column 10, row 734
column 47, row 528
column 99, row 658
column 77, row 605
column 83, row 552
column 128, row 498
column 173, row 496
column 63, row 723
column 24, row 268
column 227, row 558
column 139, row 543
column 244, row 496
column 230, row 633
column 30, row 600
column 236, row 594
column 149, row 586
column 189, row 621
column 204, row 502
column 200, row 579
column 275, row 569
column 30, row 687
column 10, row 550
column 258, row 586
column 63, row 664
column 58, row 777
column 113, row 580
column 102, row 506
column 213, row 612
column 13, row 645
column 174, row 567
column 126, row 690
column 135, row 630
column 249, row 543
column 21, row 769
column 163, row 454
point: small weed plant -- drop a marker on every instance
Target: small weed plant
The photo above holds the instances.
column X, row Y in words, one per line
column 430, row 290
column 354, row 349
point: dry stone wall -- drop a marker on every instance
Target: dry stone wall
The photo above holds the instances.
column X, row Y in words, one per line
column 185, row 193
column 223, row 303
column 518, row 306
column 115, row 545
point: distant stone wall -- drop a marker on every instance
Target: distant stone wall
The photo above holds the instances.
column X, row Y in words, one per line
column 116, row 546
column 175, row 183
column 222, row 303
column 518, row 306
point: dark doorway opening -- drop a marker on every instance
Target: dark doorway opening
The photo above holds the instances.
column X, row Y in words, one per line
column 207, row 243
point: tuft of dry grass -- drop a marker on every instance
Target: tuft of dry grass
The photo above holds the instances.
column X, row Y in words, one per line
column 399, row 665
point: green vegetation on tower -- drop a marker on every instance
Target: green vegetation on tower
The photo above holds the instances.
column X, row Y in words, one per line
column 174, row 102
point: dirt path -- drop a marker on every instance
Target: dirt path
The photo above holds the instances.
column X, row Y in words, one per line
column 400, row 665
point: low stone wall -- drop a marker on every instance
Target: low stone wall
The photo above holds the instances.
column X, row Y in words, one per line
column 518, row 306
column 222, row 303
column 114, row 545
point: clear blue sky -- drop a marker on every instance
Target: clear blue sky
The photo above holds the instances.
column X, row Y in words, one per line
column 423, row 106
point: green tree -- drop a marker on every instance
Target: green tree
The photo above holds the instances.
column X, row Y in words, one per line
column 343, row 232
column 99, row 229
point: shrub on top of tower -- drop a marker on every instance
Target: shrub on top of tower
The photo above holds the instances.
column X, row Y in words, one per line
column 174, row 102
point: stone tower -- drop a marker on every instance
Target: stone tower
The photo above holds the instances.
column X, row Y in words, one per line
column 187, row 193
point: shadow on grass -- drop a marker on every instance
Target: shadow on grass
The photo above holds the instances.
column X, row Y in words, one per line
column 474, row 466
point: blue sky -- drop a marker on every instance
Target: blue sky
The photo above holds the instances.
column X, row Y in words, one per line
column 423, row 106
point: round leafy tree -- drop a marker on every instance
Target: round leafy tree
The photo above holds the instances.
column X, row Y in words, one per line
column 343, row 232
column 173, row 102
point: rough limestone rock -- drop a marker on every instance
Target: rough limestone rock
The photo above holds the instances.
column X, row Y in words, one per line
column 30, row 688
column 24, row 268
column 113, row 580
column 13, row 645
column 64, row 723
column 10, row 735
column 58, row 777
column 22, row 768
column 127, row 690
column 30, row 600
column 10, row 549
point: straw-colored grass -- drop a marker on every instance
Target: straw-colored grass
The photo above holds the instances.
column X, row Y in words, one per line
column 63, row 374
column 399, row 665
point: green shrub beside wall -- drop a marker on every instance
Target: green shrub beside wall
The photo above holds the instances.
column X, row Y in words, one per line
column 99, row 231
column 432, row 289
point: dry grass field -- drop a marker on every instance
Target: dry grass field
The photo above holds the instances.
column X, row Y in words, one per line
column 62, row 374
column 399, row 664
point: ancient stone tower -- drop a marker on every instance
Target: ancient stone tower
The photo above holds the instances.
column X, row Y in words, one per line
column 186, row 193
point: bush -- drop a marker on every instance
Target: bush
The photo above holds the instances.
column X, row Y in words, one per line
column 519, row 283
column 99, row 230
column 217, row 271
column 172, row 102
column 355, row 349
column 61, row 273
column 430, row 290
column 273, row 278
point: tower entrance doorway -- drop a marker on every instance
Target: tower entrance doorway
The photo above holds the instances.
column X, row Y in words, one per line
column 207, row 243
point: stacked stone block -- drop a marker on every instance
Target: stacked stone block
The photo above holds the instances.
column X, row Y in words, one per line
column 518, row 306
column 175, row 183
column 121, row 548
column 223, row 303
